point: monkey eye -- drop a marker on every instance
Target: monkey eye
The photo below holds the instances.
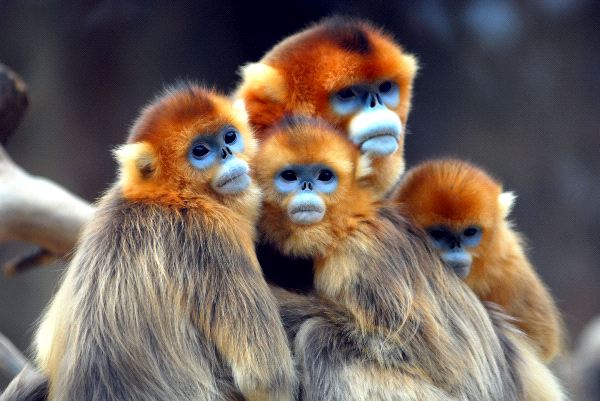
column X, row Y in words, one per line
column 289, row 175
column 325, row 175
column 385, row 87
column 437, row 234
column 346, row 94
column 230, row 137
column 471, row 231
column 199, row 151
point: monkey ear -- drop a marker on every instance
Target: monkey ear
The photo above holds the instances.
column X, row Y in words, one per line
column 506, row 201
column 239, row 107
column 411, row 63
column 264, row 79
column 136, row 160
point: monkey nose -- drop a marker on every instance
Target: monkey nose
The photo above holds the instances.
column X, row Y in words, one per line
column 225, row 152
column 374, row 100
column 307, row 186
column 455, row 244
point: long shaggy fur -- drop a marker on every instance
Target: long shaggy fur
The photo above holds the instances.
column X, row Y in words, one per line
column 164, row 298
column 457, row 194
column 388, row 322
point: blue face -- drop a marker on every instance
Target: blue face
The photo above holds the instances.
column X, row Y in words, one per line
column 374, row 127
column 306, row 183
column 454, row 246
column 221, row 149
column 357, row 98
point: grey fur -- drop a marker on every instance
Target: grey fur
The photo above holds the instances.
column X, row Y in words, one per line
column 164, row 304
column 28, row 385
column 401, row 328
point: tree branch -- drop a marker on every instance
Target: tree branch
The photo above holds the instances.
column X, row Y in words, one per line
column 32, row 209
column 12, row 361
column 13, row 102
column 38, row 211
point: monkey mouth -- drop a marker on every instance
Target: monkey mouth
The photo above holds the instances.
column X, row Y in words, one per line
column 380, row 142
column 390, row 132
column 307, row 214
column 234, row 181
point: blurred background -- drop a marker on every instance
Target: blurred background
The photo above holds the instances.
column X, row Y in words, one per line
column 511, row 85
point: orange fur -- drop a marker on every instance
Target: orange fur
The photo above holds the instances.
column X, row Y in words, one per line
column 301, row 73
column 306, row 144
column 457, row 194
column 154, row 165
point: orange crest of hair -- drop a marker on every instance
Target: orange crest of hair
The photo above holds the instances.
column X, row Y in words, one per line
column 451, row 192
column 154, row 162
column 301, row 72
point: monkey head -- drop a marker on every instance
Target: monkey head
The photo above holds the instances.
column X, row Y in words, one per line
column 187, row 144
column 345, row 71
column 460, row 206
column 306, row 170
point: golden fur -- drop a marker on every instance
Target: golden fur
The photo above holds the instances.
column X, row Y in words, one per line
column 387, row 321
column 301, row 73
column 457, row 194
column 164, row 298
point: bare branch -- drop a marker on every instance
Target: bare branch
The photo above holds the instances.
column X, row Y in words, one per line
column 38, row 211
column 586, row 362
column 29, row 385
column 13, row 102
column 12, row 361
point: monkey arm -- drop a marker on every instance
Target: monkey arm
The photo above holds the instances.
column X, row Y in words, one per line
column 242, row 319
column 526, row 298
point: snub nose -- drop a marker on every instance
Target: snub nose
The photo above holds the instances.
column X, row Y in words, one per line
column 374, row 100
column 306, row 185
column 225, row 152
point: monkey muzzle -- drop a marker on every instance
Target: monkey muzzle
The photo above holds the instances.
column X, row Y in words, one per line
column 376, row 131
column 306, row 208
column 459, row 261
column 232, row 177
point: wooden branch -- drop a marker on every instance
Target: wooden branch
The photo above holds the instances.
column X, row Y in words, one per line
column 13, row 102
column 32, row 209
column 38, row 211
column 12, row 361
column 29, row 385
column 585, row 362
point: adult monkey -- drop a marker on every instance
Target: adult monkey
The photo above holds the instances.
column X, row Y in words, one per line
column 164, row 299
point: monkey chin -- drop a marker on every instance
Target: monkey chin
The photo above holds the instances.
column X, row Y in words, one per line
column 232, row 178
column 459, row 262
column 376, row 132
column 306, row 209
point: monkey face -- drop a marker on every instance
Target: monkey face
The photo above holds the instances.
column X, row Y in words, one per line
column 455, row 246
column 371, row 120
column 189, row 143
column 343, row 70
column 219, row 152
column 306, row 170
column 459, row 206
column 305, row 187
